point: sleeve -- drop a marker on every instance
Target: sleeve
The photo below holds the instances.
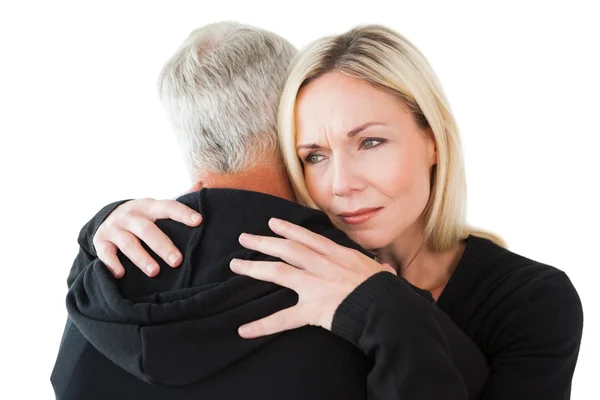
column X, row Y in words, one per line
column 539, row 343
column 419, row 352
column 87, row 252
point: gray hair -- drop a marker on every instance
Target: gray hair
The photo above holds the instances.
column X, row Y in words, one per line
column 221, row 91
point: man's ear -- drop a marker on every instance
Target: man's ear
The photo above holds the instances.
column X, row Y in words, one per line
column 196, row 187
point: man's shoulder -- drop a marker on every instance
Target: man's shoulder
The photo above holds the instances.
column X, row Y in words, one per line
column 236, row 211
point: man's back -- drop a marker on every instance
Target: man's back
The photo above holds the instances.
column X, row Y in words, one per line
column 175, row 336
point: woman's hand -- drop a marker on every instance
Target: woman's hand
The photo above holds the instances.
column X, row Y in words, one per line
column 322, row 272
column 134, row 221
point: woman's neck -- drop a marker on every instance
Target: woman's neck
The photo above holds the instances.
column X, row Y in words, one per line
column 418, row 264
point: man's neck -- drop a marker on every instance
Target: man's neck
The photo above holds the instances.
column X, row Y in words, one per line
column 268, row 178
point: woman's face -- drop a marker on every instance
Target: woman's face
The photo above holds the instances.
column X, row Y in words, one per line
column 366, row 162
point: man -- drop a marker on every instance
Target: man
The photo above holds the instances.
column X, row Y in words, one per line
column 175, row 336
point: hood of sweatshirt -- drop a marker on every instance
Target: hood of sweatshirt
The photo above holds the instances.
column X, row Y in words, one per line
column 181, row 326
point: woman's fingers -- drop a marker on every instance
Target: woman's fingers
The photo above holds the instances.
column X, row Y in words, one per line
column 284, row 320
column 281, row 274
column 325, row 275
column 131, row 247
column 304, row 236
column 271, row 271
column 107, row 253
column 134, row 221
column 170, row 209
column 139, row 218
column 156, row 239
column 289, row 251
column 335, row 254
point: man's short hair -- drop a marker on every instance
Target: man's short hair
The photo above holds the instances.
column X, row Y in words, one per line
column 221, row 91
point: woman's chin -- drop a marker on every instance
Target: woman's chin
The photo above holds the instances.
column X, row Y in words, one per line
column 369, row 240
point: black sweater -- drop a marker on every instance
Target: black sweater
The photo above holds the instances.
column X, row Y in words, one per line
column 526, row 317
column 175, row 336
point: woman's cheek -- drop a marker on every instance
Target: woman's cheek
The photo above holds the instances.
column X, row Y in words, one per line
column 316, row 182
column 384, row 165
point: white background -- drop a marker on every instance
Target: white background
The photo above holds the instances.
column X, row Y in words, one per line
column 81, row 126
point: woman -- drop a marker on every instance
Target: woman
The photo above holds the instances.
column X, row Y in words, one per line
column 368, row 137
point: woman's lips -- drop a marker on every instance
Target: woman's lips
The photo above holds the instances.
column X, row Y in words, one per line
column 359, row 216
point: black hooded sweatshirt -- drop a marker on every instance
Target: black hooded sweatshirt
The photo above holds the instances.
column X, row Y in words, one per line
column 175, row 336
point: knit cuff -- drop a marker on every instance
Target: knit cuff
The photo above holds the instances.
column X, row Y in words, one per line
column 349, row 318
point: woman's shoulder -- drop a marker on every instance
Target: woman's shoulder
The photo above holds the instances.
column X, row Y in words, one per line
column 496, row 290
column 485, row 261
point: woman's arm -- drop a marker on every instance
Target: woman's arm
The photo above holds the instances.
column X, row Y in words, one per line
column 444, row 362
column 538, row 343
column 419, row 352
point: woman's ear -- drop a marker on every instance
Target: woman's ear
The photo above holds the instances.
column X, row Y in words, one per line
column 431, row 148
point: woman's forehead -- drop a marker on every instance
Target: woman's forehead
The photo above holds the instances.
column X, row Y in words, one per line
column 337, row 106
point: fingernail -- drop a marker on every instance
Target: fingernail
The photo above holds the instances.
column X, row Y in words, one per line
column 196, row 217
column 150, row 268
column 173, row 257
column 245, row 330
column 235, row 264
column 117, row 274
column 244, row 237
column 275, row 222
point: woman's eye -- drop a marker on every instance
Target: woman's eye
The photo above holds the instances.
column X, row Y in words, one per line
column 370, row 143
column 313, row 158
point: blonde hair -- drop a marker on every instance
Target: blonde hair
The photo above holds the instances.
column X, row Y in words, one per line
column 388, row 61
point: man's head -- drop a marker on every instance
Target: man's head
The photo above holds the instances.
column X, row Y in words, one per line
column 221, row 91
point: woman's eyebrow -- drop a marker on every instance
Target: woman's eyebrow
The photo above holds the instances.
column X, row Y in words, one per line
column 362, row 127
column 353, row 132
column 308, row 146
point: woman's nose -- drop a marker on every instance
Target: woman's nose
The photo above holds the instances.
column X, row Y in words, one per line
column 345, row 179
